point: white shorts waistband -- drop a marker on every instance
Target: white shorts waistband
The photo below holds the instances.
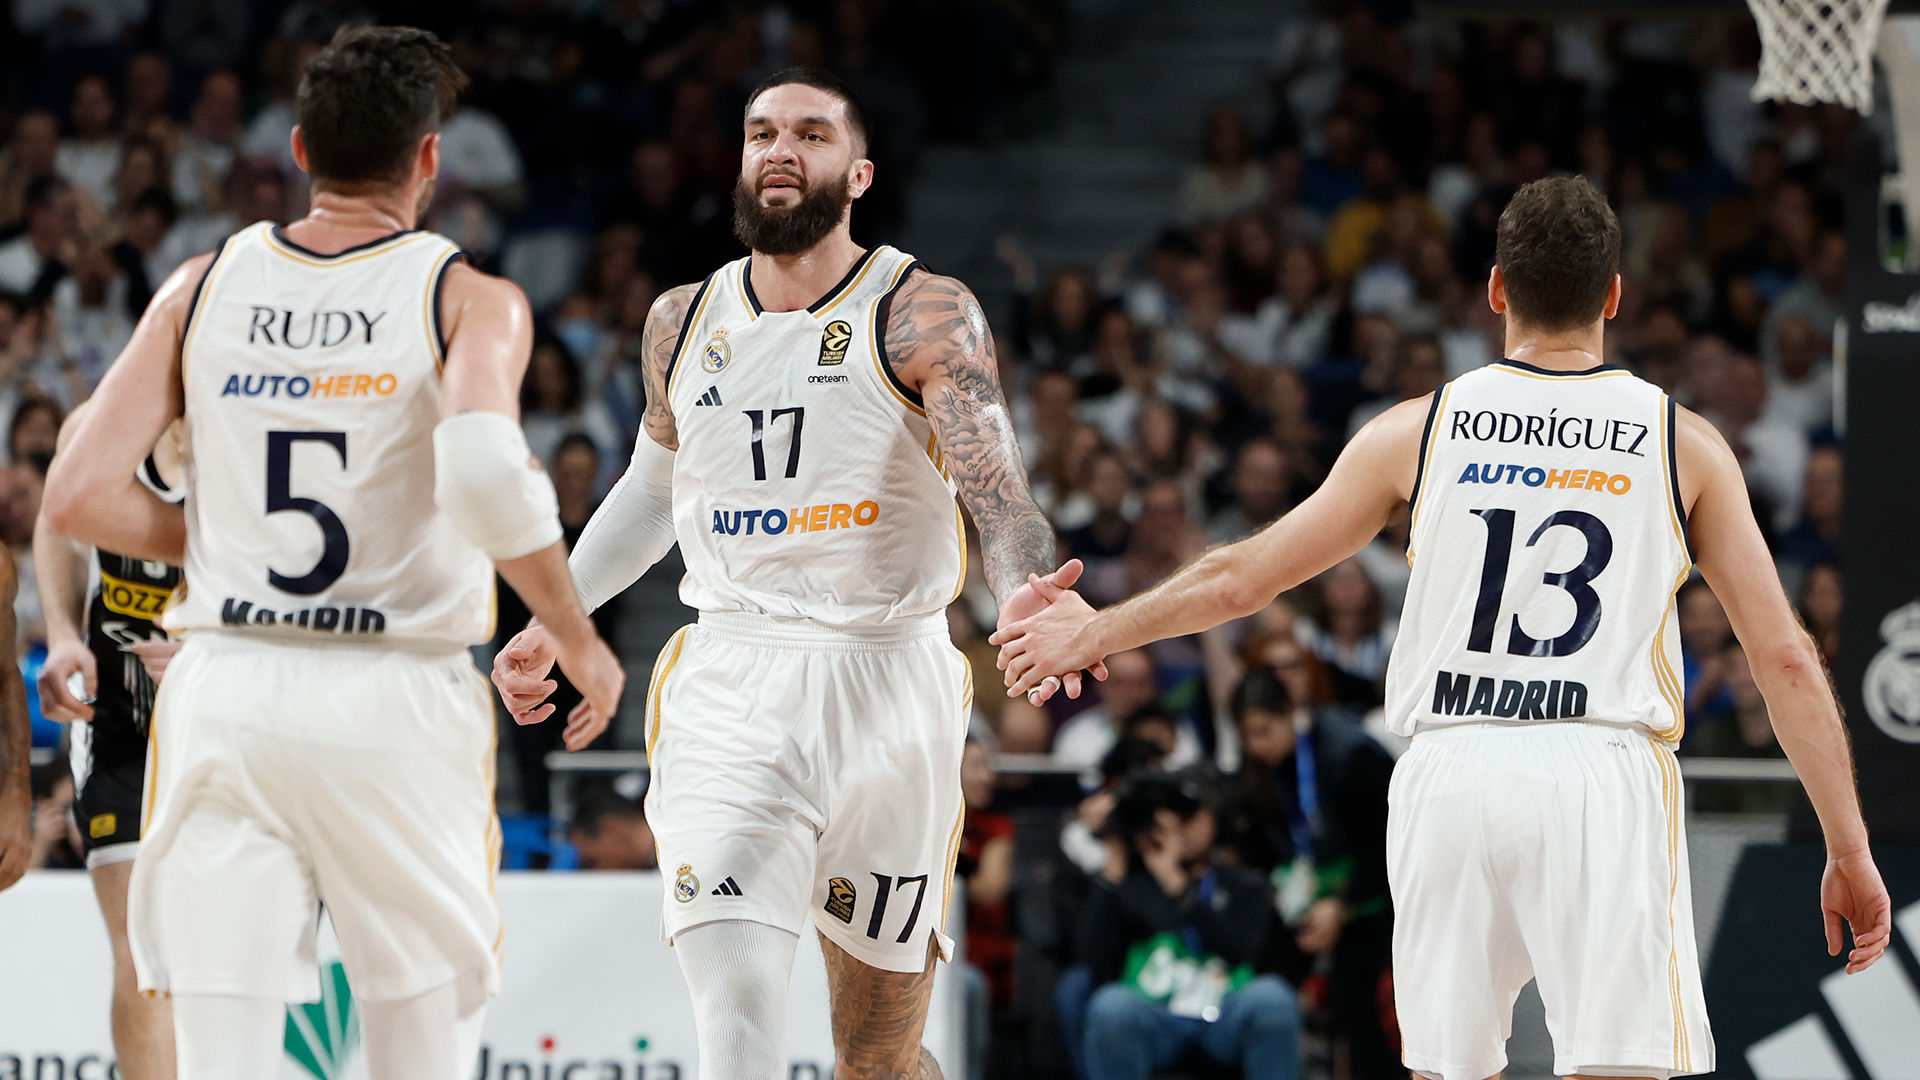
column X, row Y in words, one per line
column 807, row 634
column 265, row 641
column 1565, row 727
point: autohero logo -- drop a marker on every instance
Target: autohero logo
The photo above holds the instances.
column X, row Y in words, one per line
column 800, row 519
column 1891, row 687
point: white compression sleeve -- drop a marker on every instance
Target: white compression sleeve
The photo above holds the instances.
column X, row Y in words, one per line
column 737, row 974
column 218, row 1037
column 488, row 481
column 632, row 529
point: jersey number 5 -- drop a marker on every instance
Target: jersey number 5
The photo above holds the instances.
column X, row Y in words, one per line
column 280, row 497
column 1577, row 582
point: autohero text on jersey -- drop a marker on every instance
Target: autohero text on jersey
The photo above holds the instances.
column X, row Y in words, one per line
column 325, row 618
column 1508, row 699
column 1566, row 432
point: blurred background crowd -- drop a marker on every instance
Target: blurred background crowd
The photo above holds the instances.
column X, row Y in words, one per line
column 1208, row 826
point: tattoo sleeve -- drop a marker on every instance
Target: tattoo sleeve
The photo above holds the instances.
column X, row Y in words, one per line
column 937, row 340
column 658, row 343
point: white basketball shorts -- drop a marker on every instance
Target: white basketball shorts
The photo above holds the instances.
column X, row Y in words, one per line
column 804, row 772
column 1554, row 852
column 286, row 776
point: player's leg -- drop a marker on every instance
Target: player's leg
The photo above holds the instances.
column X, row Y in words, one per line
column 1457, row 957
column 430, row 1036
column 738, row 972
column 227, row 1037
column 142, row 1024
column 878, row 1017
column 1604, row 909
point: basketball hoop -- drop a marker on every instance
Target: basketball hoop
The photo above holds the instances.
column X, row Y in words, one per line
column 1814, row 51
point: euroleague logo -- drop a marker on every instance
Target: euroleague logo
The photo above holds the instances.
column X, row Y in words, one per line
column 1891, row 687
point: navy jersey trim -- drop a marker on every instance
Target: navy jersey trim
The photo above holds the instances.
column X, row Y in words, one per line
column 433, row 303
column 1673, row 473
column 1523, row 366
column 280, row 236
column 841, row 286
column 1420, row 469
column 880, row 311
column 686, row 324
column 193, row 304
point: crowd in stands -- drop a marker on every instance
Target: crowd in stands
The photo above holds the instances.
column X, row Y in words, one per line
column 1206, row 880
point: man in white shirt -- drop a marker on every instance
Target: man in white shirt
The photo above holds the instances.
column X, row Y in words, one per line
column 52, row 219
column 91, row 157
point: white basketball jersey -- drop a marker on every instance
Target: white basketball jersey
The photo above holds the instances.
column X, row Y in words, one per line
column 1548, row 542
column 808, row 483
column 312, row 391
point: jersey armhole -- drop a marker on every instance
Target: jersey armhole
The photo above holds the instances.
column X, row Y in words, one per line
column 880, row 313
column 686, row 326
column 1673, row 477
column 193, row 305
column 435, row 323
column 1420, row 465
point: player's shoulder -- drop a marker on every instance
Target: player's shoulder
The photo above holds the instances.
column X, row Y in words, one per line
column 465, row 283
column 672, row 305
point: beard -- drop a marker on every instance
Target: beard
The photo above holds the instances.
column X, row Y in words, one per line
column 788, row 230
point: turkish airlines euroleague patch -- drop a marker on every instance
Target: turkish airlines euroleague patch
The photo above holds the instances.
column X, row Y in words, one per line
column 840, row 894
column 834, row 341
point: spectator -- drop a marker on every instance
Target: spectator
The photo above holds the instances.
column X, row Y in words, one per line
column 1293, row 325
column 1311, row 811
column 986, row 865
column 1773, row 455
column 1419, row 370
column 1349, row 631
column 1742, row 730
column 1228, row 181
column 31, row 262
column 90, row 157
column 1262, row 483
column 1130, row 687
column 206, row 34
column 553, row 404
column 30, row 156
column 1820, row 600
column 1704, row 633
column 1171, row 938
column 609, row 831
column 1815, row 537
column 210, row 145
column 149, row 87
column 1800, row 383
column 91, row 315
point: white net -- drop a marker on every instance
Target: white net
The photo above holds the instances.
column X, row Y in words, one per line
column 1814, row 51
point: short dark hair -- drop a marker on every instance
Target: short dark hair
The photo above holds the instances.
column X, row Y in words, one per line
column 368, row 98
column 828, row 82
column 1261, row 689
column 160, row 202
column 1558, row 249
column 44, row 190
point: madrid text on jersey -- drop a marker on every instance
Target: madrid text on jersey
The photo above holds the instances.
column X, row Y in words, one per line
column 325, row 619
column 1566, row 432
column 1508, row 699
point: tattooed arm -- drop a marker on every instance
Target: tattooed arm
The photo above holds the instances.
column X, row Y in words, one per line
column 16, row 795
column 938, row 343
column 658, row 343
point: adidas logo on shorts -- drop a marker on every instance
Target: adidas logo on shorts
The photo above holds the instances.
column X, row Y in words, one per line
column 728, row 888
column 711, row 397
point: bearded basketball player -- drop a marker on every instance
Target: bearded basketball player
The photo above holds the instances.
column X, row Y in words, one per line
column 811, row 410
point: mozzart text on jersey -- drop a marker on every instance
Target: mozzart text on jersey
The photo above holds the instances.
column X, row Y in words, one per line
column 1566, row 432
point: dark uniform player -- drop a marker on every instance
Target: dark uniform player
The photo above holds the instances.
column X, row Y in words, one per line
column 95, row 638
column 109, row 755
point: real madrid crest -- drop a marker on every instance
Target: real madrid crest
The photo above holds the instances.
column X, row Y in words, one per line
column 685, row 885
column 714, row 358
column 1891, row 687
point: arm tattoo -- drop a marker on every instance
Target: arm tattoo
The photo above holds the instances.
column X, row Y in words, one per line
column 658, row 343
column 937, row 339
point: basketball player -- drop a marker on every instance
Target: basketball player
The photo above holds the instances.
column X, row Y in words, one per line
column 355, row 472
column 16, row 742
column 810, row 411
column 86, row 636
column 1535, row 828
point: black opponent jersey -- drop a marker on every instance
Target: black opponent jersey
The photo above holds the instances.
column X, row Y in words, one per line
column 125, row 609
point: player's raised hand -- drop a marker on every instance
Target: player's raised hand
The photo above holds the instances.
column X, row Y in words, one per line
column 520, row 674
column 57, row 698
column 1029, row 600
column 1851, row 890
column 1048, row 643
column 596, row 672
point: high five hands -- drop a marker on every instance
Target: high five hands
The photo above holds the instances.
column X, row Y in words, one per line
column 1042, row 637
